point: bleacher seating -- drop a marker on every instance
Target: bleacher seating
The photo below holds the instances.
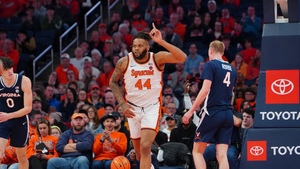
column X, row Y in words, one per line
column 43, row 39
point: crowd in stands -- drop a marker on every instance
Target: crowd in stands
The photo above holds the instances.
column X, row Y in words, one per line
column 76, row 103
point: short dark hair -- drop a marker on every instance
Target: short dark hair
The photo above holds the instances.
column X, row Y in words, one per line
column 249, row 111
column 7, row 62
column 142, row 35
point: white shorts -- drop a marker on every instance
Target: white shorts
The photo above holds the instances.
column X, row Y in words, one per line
column 145, row 118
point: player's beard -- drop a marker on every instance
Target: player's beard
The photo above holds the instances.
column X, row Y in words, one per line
column 141, row 56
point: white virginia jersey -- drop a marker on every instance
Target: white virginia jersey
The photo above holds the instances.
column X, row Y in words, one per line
column 143, row 82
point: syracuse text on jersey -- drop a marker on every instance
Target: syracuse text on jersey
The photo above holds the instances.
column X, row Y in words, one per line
column 137, row 73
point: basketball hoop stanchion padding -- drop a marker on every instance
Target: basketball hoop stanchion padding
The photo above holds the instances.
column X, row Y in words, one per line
column 273, row 142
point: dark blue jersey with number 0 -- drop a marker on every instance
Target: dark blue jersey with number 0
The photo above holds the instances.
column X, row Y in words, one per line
column 11, row 98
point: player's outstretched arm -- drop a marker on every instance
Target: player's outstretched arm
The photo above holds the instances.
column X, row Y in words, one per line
column 175, row 55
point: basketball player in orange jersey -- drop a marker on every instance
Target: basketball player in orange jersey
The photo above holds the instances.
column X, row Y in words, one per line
column 142, row 73
column 15, row 104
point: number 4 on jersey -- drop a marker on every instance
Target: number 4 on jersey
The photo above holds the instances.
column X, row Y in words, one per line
column 139, row 84
column 227, row 79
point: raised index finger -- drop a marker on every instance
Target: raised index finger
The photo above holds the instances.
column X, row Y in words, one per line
column 153, row 25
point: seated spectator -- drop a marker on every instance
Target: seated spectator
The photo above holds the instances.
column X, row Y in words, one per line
column 77, row 61
column 173, row 5
column 37, row 106
column 65, row 65
column 51, row 21
column 55, row 119
column 55, row 131
column 252, row 23
column 95, row 97
column 97, row 59
column 8, row 51
column 10, row 8
column 138, row 22
column 85, row 48
column 193, row 59
column 184, row 133
column 94, row 121
column 213, row 11
column 95, row 42
column 82, row 98
column 40, row 11
column 103, row 36
column 150, row 10
column 69, row 104
column 104, row 77
column 65, row 13
column 171, row 124
column 249, row 52
column 230, row 51
column 52, row 81
column 109, row 50
column 213, row 34
column 113, row 27
column 179, row 28
column 159, row 19
column 50, row 99
column 128, row 9
column 239, row 65
column 171, row 110
column 88, row 72
column 121, row 128
column 120, row 47
column 196, row 9
column 207, row 22
column 74, row 145
column 9, row 159
column 109, row 144
column 253, row 68
column 127, row 37
column 240, row 83
column 167, row 89
column 30, row 22
column 238, row 36
column 172, row 37
column 227, row 21
column 195, row 31
column 41, row 146
column 34, row 118
column 182, row 17
column 72, row 79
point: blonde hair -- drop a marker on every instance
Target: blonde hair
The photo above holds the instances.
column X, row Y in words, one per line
column 217, row 46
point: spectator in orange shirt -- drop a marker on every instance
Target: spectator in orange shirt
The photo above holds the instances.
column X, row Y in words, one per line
column 138, row 22
column 227, row 21
column 10, row 159
column 10, row 8
column 8, row 51
column 127, row 37
column 35, row 117
column 109, row 144
column 65, row 65
column 179, row 28
column 103, row 79
column 41, row 146
column 102, row 30
column 249, row 52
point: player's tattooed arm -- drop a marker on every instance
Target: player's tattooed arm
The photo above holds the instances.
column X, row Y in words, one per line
column 114, row 80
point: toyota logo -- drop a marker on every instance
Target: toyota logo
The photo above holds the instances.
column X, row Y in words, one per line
column 282, row 86
column 256, row 150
